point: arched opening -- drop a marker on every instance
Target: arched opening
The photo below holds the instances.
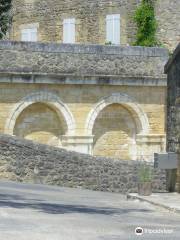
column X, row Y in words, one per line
column 116, row 121
column 114, row 133
column 41, row 116
column 40, row 122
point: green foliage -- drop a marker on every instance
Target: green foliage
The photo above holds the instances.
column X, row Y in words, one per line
column 146, row 24
column 5, row 18
column 145, row 173
column 108, row 43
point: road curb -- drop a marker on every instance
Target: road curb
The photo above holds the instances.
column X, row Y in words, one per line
column 143, row 199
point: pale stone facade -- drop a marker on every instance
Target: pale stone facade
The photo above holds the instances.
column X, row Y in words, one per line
column 101, row 100
column 90, row 20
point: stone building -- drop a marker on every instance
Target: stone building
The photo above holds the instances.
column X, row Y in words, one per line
column 102, row 100
column 173, row 111
column 90, row 21
column 96, row 99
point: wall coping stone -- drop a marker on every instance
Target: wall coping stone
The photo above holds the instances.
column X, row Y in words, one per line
column 84, row 48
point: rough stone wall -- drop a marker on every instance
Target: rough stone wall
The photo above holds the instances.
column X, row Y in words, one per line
column 90, row 18
column 167, row 13
column 25, row 161
column 173, row 107
column 82, row 60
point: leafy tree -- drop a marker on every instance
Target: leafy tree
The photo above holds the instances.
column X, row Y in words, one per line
column 146, row 24
column 5, row 17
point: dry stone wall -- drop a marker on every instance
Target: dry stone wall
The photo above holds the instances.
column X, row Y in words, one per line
column 26, row 161
column 82, row 60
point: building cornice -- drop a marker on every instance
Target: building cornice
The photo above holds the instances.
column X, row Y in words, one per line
column 63, row 79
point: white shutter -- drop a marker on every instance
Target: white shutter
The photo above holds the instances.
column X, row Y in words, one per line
column 24, row 35
column 33, row 35
column 65, row 31
column 113, row 28
column 72, row 30
column 29, row 34
column 117, row 29
column 109, row 30
column 69, row 30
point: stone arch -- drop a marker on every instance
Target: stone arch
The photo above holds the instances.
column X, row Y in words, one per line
column 46, row 97
column 140, row 117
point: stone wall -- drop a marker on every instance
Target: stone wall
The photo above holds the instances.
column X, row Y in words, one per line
column 82, row 61
column 173, row 107
column 167, row 13
column 90, row 16
column 25, row 161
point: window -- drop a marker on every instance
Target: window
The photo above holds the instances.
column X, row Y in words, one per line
column 29, row 34
column 113, row 28
column 69, row 30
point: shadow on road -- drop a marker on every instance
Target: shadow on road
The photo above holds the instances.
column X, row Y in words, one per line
column 19, row 202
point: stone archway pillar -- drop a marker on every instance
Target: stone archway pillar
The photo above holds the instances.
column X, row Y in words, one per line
column 82, row 144
column 149, row 144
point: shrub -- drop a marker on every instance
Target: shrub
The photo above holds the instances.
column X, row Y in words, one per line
column 145, row 173
column 146, row 24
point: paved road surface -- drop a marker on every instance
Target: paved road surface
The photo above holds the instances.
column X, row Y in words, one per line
column 36, row 212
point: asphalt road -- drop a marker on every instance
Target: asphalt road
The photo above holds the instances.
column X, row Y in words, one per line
column 36, row 212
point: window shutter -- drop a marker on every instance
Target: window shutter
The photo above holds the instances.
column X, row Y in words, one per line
column 72, row 30
column 24, row 35
column 116, row 33
column 65, row 31
column 109, row 30
column 113, row 28
column 69, row 30
column 33, row 35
